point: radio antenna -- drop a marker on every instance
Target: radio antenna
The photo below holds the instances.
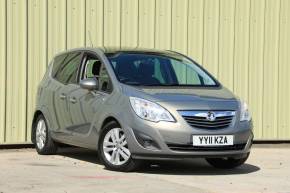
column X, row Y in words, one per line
column 90, row 39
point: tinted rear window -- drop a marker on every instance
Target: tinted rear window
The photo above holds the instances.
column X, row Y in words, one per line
column 65, row 68
column 58, row 60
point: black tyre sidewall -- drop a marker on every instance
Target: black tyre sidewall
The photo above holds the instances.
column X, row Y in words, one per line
column 50, row 146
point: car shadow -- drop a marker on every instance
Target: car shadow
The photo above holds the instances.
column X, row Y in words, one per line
column 194, row 167
column 79, row 154
column 177, row 167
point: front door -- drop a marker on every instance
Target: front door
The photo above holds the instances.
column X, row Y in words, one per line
column 84, row 105
column 83, row 108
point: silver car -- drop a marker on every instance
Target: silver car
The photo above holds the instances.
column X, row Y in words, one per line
column 133, row 105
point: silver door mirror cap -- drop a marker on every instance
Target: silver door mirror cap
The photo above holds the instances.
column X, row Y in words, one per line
column 89, row 84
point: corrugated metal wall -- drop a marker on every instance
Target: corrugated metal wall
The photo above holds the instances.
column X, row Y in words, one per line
column 245, row 43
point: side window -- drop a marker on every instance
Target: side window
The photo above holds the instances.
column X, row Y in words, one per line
column 95, row 69
column 68, row 70
column 105, row 83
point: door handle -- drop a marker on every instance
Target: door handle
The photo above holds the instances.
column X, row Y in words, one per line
column 62, row 96
column 72, row 100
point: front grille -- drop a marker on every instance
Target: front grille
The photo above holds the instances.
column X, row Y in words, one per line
column 190, row 147
column 208, row 119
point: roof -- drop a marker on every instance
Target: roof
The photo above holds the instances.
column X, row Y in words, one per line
column 114, row 50
column 130, row 49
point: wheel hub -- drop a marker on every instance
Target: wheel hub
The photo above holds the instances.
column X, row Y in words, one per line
column 40, row 134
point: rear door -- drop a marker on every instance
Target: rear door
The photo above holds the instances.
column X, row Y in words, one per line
column 85, row 105
column 65, row 81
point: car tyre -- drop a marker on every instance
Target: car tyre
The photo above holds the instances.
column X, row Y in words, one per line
column 227, row 163
column 44, row 144
column 126, row 164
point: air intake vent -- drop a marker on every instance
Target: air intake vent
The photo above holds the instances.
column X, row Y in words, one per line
column 208, row 119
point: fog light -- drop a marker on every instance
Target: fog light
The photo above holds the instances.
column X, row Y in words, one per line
column 146, row 141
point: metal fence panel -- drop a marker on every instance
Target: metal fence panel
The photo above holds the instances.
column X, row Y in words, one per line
column 244, row 43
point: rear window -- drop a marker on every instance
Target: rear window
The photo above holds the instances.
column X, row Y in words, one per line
column 65, row 67
column 57, row 63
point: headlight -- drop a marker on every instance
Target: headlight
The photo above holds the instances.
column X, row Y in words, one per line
column 150, row 111
column 245, row 113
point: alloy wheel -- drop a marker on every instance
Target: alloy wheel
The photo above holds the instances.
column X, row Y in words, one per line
column 40, row 133
column 115, row 147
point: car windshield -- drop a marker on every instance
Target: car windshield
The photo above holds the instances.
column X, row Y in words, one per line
column 158, row 69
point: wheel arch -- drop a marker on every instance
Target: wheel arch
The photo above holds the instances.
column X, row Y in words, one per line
column 107, row 120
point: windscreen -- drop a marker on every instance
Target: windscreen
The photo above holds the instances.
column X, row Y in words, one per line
column 158, row 69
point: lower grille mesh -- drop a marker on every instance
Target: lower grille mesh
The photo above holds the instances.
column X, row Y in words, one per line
column 190, row 147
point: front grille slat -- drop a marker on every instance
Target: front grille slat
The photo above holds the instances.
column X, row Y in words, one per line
column 198, row 119
column 224, row 118
column 194, row 118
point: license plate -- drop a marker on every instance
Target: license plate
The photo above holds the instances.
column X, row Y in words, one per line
column 212, row 140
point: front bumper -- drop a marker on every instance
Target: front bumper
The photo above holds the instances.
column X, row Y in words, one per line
column 168, row 136
column 168, row 154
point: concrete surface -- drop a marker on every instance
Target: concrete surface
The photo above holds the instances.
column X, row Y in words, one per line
column 77, row 170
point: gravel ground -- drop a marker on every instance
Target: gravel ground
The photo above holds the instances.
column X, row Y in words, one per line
column 77, row 170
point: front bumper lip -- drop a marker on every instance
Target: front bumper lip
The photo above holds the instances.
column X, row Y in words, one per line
column 186, row 156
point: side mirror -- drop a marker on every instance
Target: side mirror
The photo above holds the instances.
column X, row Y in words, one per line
column 89, row 84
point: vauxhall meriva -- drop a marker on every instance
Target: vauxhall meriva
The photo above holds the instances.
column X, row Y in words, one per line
column 133, row 105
